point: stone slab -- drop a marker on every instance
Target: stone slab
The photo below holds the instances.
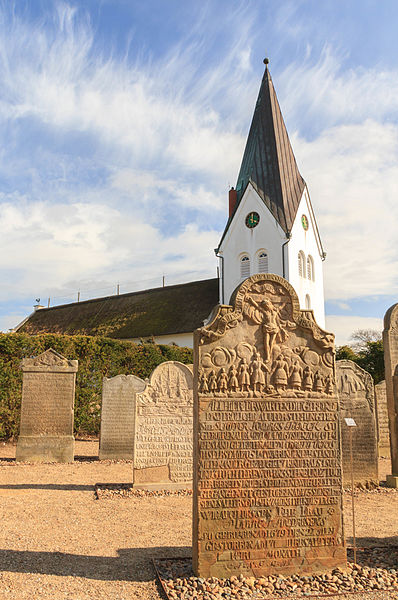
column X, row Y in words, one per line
column 45, row 449
column 267, row 484
column 118, row 416
column 392, row 481
column 390, row 344
column 357, row 401
column 163, row 427
column 382, row 419
column 48, row 392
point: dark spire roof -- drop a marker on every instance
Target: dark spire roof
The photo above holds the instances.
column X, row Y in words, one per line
column 268, row 161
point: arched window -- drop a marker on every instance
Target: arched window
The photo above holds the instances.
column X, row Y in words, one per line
column 310, row 268
column 307, row 302
column 301, row 263
column 262, row 262
column 244, row 266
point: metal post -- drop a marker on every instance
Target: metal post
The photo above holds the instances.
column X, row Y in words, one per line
column 352, row 497
column 48, row 304
column 78, row 296
column 163, row 280
column 118, row 289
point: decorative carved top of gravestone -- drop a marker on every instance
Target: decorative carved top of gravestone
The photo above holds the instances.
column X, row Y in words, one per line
column 287, row 354
column 357, row 400
column 49, row 360
column 118, row 416
column 266, row 438
column 390, row 343
column 163, row 429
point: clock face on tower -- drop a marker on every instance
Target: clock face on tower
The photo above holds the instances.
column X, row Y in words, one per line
column 252, row 220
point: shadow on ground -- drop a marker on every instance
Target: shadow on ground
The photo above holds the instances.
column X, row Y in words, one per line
column 131, row 564
column 48, row 486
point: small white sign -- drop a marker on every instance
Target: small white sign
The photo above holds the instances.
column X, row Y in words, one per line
column 350, row 422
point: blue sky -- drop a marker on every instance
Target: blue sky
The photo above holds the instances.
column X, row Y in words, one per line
column 123, row 124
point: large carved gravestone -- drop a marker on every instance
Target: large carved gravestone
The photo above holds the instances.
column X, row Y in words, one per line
column 382, row 419
column 163, row 428
column 357, row 400
column 118, row 416
column 48, row 392
column 390, row 343
column 267, row 462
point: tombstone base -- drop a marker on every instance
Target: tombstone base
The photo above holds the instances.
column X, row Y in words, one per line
column 155, row 487
column 392, row 481
column 115, row 455
column 45, row 449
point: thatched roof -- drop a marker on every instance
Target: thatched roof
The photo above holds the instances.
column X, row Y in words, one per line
column 159, row 311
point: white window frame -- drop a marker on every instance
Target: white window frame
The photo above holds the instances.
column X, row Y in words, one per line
column 260, row 267
column 244, row 264
column 301, row 264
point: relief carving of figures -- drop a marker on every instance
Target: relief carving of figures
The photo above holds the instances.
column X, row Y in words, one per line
column 308, row 379
column 296, row 374
column 267, row 315
column 233, row 379
column 222, row 381
column 258, row 379
column 269, row 346
column 281, row 372
column 318, row 382
column 212, row 382
column 244, row 377
column 329, row 384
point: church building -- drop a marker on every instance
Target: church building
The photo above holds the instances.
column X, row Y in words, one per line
column 271, row 228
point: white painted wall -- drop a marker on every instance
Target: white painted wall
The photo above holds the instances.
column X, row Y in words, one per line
column 308, row 242
column 267, row 235
column 181, row 339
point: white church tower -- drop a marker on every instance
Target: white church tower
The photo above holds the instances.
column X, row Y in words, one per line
column 271, row 226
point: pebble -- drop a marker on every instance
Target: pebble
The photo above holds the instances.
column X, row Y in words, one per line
column 125, row 490
column 376, row 569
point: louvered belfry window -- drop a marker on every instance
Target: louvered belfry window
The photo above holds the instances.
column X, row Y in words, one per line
column 301, row 264
column 310, row 268
column 245, row 267
column 263, row 262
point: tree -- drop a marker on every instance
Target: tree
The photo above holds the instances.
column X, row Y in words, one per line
column 346, row 353
column 372, row 359
column 366, row 351
column 361, row 337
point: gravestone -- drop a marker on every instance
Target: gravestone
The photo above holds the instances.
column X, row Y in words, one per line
column 118, row 416
column 163, row 429
column 390, row 344
column 267, row 464
column 48, row 392
column 382, row 419
column 357, row 401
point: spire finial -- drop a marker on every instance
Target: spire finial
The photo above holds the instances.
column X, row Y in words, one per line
column 266, row 61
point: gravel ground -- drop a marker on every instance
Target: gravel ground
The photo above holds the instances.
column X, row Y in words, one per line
column 57, row 541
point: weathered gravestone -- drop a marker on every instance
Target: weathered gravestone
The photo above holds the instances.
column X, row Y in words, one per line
column 267, row 462
column 48, row 392
column 390, row 344
column 118, row 416
column 163, row 428
column 382, row 419
column 357, row 400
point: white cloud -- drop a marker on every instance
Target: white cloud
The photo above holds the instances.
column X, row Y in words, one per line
column 352, row 172
column 344, row 326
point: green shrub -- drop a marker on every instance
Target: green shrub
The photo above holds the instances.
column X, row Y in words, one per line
column 98, row 357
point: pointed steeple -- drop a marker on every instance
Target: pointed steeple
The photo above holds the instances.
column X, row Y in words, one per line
column 268, row 161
